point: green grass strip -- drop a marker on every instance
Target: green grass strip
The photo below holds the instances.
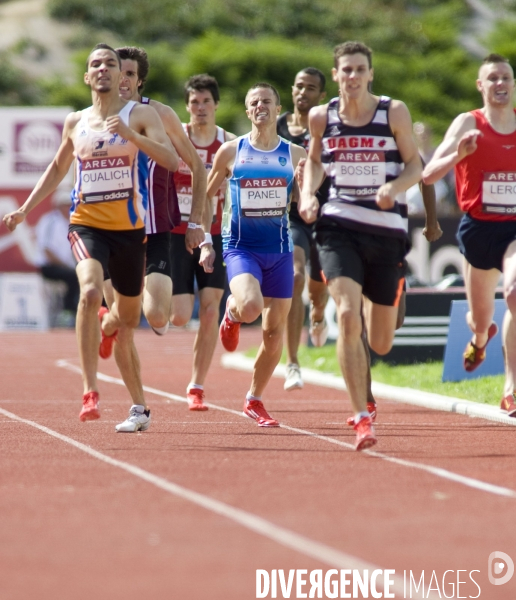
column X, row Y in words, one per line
column 421, row 376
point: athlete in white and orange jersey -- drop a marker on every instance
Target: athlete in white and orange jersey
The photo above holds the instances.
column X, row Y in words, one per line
column 369, row 152
column 107, row 229
column 202, row 100
column 481, row 146
column 162, row 207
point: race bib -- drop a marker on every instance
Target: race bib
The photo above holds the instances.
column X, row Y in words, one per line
column 359, row 169
column 263, row 197
column 184, row 198
column 499, row 192
column 106, row 179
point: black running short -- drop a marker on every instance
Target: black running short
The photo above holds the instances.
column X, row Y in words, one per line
column 484, row 243
column 376, row 262
column 121, row 253
column 158, row 254
column 302, row 236
column 186, row 267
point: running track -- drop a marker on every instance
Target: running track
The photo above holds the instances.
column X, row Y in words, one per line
column 191, row 508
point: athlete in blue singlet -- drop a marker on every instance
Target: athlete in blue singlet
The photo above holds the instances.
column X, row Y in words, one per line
column 257, row 242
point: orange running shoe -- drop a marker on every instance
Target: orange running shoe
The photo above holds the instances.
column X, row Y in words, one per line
column 106, row 341
column 90, row 407
column 371, row 409
column 474, row 356
column 229, row 331
column 256, row 410
column 365, row 434
column 509, row 405
column 195, row 398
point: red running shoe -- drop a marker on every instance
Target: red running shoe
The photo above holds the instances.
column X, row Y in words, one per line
column 371, row 409
column 229, row 331
column 256, row 410
column 195, row 399
column 106, row 341
column 474, row 356
column 509, row 405
column 365, row 434
column 90, row 407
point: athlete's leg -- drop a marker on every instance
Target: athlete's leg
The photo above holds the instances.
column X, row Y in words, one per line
column 381, row 325
column 246, row 300
column 509, row 324
column 157, row 295
column 90, row 275
column 318, row 295
column 207, row 334
column 182, row 308
column 480, row 291
column 347, row 295
column 296, row 315
column 274, row 316
column 125, row 314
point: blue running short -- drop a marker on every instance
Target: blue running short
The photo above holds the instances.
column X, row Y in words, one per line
column 275, row 272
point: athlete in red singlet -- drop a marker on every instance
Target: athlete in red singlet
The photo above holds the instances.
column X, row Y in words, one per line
column 481, row 145
column 202, row 100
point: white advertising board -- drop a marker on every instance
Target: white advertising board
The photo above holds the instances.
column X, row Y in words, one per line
column 30, row 138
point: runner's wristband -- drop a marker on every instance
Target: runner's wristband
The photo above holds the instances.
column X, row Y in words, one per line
column 207, row 240
column 191, row 225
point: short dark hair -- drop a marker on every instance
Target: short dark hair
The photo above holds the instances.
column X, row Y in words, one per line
column 494, row 58
column 199, row 83
column 352, row 48
column 267, row 86
column 316, row 73
column 103, row 46
column 140, row 57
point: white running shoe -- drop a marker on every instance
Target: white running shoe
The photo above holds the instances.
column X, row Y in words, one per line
column 318, row 333
column 293, row 380
column 136, row 421
column 161, row 330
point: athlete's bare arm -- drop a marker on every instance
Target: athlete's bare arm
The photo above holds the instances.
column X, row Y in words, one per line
column 52, row 177
column 188, row 154
column 460, row 141
column 432, row 230
column 313, row 174
column 401, row 125
column 147, row 133
column 298, row 156
column 222, row 165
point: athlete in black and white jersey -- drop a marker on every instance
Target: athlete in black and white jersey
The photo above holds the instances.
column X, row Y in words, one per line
column 368, row 150
column 163, row 210
column 307, row 92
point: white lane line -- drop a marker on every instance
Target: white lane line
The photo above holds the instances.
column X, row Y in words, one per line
column 285, row 537
column 437, row 471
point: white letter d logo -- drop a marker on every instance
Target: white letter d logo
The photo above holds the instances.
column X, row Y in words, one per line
column 498, row 567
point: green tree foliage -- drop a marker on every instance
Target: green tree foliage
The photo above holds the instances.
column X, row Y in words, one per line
column 416, row 53
column 16, row 89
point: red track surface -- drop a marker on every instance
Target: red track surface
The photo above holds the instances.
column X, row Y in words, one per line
column 76, row 528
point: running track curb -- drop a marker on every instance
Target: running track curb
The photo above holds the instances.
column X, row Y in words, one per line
column 382, row 390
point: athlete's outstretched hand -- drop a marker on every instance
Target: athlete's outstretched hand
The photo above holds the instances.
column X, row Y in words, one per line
column 468, row 143
column 207, row 258
column 13, row 219
column 385, row 196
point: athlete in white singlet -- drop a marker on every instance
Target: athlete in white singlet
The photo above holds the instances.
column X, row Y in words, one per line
column 368, row 150
column 107, row 222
